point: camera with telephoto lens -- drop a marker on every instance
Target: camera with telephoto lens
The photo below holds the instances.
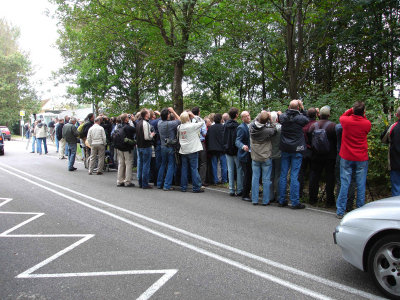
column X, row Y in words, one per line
column 170, row 142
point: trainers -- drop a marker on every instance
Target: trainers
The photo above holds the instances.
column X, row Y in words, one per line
column 298, row 206
column 283, row 204
column 130, row 185
column 339, row 216
column 170, row 189
column 198, row 191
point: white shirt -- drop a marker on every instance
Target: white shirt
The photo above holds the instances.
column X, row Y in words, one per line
column 189, row 134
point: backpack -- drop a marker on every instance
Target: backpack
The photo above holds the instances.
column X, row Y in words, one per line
column 80, row 130
column 320, row 143
column 118, row 138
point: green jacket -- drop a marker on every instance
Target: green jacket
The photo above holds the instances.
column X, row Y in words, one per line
column 70, row 133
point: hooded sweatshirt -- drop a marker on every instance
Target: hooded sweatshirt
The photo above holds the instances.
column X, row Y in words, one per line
column 260, row 140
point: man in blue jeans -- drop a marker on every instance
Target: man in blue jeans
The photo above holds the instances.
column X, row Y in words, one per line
column 231, row 151
column 292, row 146
column 70, row 134
column 354, row 155
column 167, row 130
column 261, row 132
column 144, row 137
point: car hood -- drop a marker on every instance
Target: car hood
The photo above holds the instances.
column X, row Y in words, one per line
column 385, row 209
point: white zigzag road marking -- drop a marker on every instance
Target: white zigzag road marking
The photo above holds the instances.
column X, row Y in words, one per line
column 168, row 273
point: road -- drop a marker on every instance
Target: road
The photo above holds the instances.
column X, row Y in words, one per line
column 68, row 235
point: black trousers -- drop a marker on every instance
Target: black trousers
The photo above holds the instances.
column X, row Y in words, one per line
column 317, row 166
column 203, row 163
column 247, row 175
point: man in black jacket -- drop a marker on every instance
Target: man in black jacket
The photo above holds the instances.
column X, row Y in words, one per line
column 61, row 140
column 231, row 153
column 392, row 136
column 125, row 153
column 292, row 146
column 321, row 160
column 215, row 147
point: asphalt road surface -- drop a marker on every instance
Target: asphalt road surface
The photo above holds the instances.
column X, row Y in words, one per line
column 68, row 235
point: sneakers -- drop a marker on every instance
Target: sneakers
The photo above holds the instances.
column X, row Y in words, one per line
column 246, row 199
column 170, row 189
column 72, row 169
column 198, row 191
column 339, row 216
column 283, row 204
column 298, row 206
column 129, row 185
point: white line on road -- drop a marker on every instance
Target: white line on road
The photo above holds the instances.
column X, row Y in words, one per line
column 231, row 262
column 167, row 274
column 286, row 268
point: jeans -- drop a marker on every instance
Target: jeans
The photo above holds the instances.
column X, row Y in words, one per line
column 261, row 168
column 33, row 143
column 395, row 180
column 347, row 167
column 233, row 163
column 144, row 166
column 57, row 143
column 351, row 194
column 275, row 177
column 191, row 160
column 39, row 145
column 214, row 164
column 292, row 161
column 168, row 163
column 71, row 155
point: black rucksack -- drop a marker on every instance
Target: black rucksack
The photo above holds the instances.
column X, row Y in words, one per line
column 320, row 143
column 118, row 138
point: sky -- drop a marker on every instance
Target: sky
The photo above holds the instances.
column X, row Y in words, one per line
column 38, row 37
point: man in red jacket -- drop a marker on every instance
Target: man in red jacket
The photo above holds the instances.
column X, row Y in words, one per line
column 354, row 154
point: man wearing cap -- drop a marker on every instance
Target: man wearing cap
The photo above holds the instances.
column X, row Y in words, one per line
column 322, row 158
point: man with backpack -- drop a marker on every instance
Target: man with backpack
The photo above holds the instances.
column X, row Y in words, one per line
column 322, row 138
column 123, row 140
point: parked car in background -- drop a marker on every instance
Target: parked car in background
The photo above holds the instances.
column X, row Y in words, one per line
column 370, row 240
column 6, row 132
column 1, row 144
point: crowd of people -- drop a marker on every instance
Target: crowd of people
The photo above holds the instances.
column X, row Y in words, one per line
column 274, row 150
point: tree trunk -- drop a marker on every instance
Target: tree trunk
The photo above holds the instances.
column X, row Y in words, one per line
column 264, row 92
column 177, row 93
column 290, row 51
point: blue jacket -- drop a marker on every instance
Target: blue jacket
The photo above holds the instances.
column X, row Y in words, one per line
column 243, row 138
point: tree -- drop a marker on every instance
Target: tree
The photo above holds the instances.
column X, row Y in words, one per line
column 16, row 92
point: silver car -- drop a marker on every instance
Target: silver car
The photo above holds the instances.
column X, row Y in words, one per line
column 370, row 240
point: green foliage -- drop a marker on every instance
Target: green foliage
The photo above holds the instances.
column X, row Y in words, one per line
column 16, row 92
